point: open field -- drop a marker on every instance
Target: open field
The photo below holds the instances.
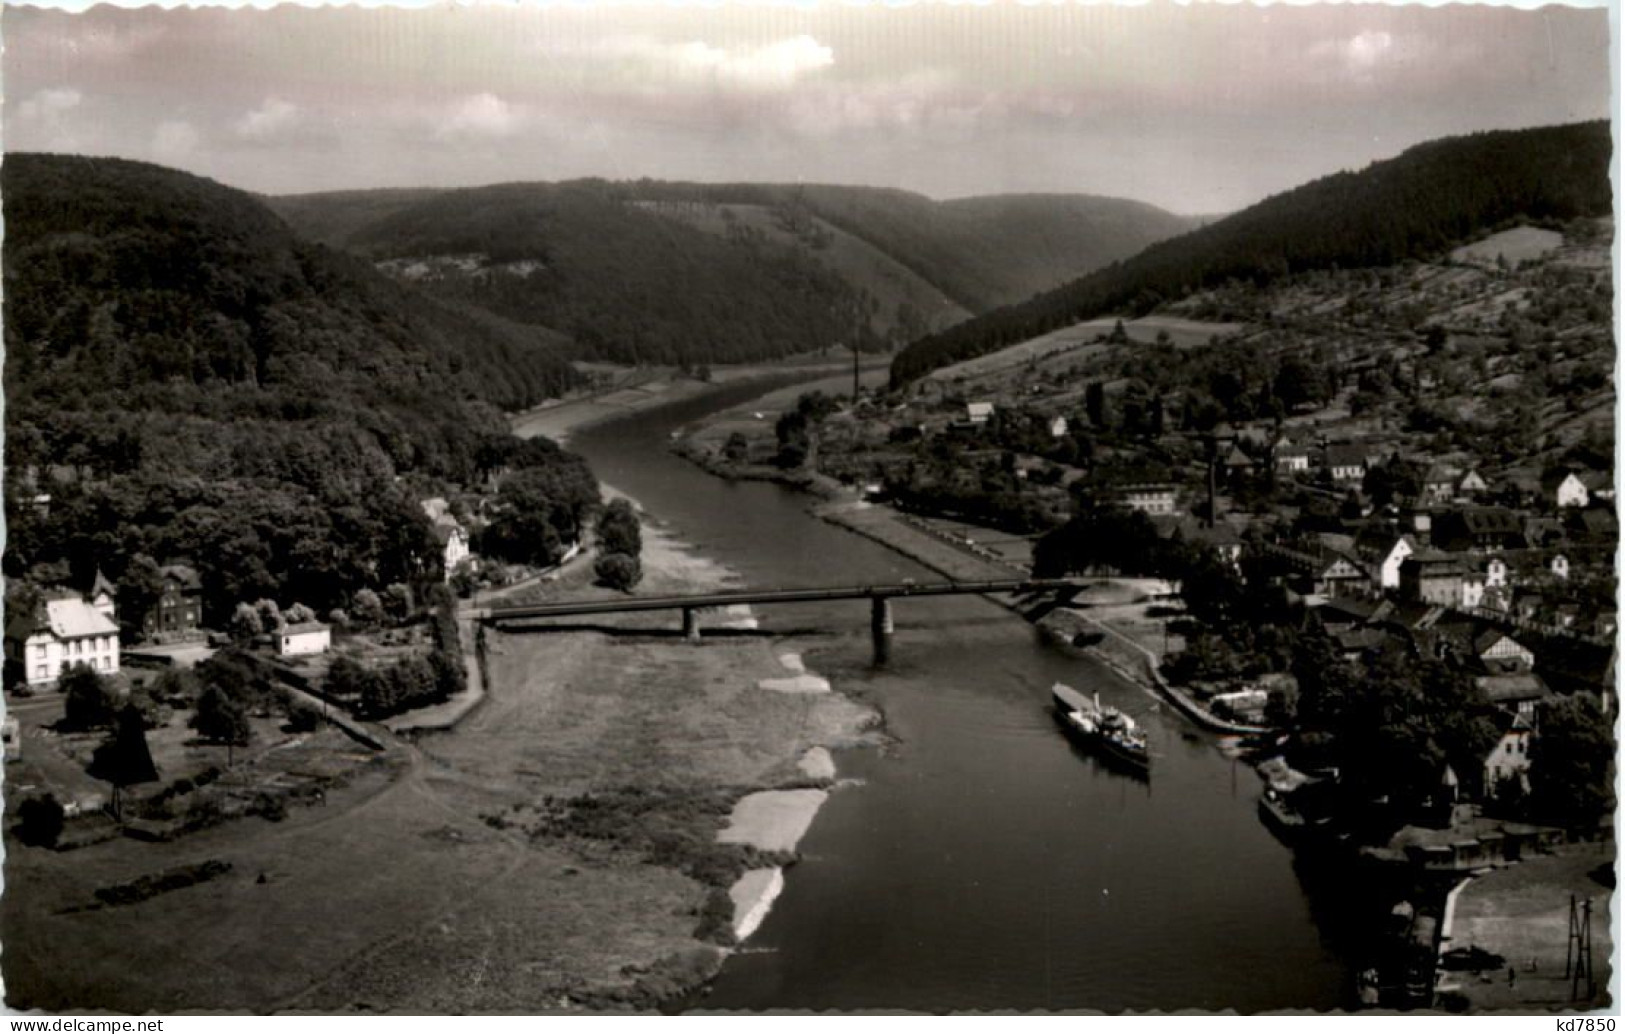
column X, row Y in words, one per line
column 1514, row 245
column 1521, row 913
column 1078, row 342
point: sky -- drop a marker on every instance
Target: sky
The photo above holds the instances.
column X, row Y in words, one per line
column 1199, row 109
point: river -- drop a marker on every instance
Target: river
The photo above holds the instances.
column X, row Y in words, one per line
column 984, row 862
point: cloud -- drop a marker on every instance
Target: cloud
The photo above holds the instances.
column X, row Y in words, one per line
column 920, row 100
column 775, row 65
column 1369, row 54
column 272, row 119
column 482, row 116
column 42, row 119
column 779, row 63
column 49, row 105
column 175, row 141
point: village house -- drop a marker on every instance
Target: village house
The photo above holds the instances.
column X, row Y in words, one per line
column 1385, row 549
column 1291, row 459
column 1432, row 577
column 1471, row 484
column 307, row 638
column 1057, row 427
column 1317, row 570
column 453, row 540
column 1509, row 758
column 1438, row 485
column 1149, row 498
column 1472, row 589
column 1346, row 462
column 1500, row 653
column 979, row 412
column 1514, row 692
column 1480, row 529
column 61, row 633
column 1235, row 463
column 1564, row 489
column 179, row 607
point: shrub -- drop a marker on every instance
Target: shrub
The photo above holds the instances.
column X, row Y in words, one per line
column 89, row 700
column 618, row 571
column 716, row 918
column 40, row 821
column 221, row 718
column 619, row 531
column 303, row 718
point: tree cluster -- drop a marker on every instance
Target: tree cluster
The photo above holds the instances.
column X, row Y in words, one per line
column 620, row 547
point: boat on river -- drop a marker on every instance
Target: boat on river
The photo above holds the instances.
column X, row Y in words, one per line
column 1106, row 731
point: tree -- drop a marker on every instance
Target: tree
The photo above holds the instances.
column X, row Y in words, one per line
column 736, row 449
column 619, row 530
column 139, row 590
column 40, row 821
column 1301, row 382
column 221, row 718
column 345, row 678
column 89, row 700
column 618, row 571
column 367, row 608
column 125, row 759
column 1094, row 403
column 299, row 614
column 398, row 601
column 246, row 623
column 271, row 619
column 1571, row 762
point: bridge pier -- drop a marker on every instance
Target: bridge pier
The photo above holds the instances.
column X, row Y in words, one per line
column 881, row 627
column 691, row 624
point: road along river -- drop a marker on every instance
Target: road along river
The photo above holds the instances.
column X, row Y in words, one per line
column 984, row 862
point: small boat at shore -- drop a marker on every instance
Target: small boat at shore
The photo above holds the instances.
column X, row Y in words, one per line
column 1107, row 731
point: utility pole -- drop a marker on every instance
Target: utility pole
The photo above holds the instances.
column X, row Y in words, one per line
column 854, row 375
column 1577, row 952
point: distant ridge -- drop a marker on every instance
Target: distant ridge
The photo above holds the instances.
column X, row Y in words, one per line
column 729, row 272
column 1420, row 203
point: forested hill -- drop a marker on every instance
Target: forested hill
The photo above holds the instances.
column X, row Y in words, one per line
column 626, row 284
column 187, row 378
column 1413, row 206
column 982, row 252
column 726, row 272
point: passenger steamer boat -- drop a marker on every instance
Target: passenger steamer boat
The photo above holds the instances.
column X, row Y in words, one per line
column 1107, row 731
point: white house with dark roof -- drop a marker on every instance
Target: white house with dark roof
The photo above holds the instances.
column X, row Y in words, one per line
column 307, row 638
column 61, row 633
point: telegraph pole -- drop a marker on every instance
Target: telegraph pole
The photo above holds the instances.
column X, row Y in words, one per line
column 854, row 375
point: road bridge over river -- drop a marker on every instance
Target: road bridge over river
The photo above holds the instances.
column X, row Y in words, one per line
column 879, row 597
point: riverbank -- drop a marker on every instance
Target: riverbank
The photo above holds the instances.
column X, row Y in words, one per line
column 635, row 389
column 645, row 753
